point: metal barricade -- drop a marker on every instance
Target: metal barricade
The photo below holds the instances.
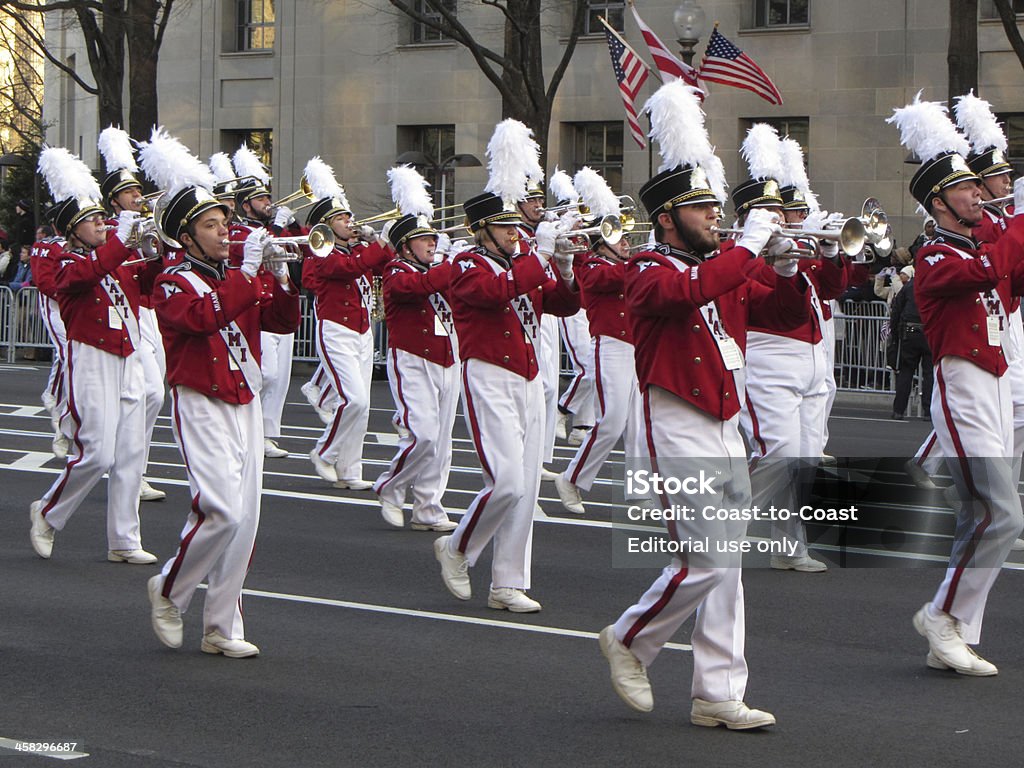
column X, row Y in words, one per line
column 7, row 321
column 304, row 347
column 860, row 347
column 27, row 326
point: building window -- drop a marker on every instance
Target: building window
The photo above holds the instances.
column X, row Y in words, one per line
column 614, row 12
column 423, row 33
column 259, row 140
column 254, row 25
column 599, row 145
column 437, row 142
column 1013, row 126
column 780, row 13
column 796, row 128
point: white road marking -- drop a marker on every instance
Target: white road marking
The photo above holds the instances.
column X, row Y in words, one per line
column 436, row 616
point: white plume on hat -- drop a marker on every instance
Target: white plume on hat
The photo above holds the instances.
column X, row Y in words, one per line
column 596, row 193
column 67, row 176
column 513, row 162
column 322, row 182
column 761, row 151
column 792, row 172
column 975, row 118
column 247, row 164
column 677, row 124
column 220, row 166
column 171, row 166
column 116, row 147
column 560, row 185
column 409, row 191
column 926, row 130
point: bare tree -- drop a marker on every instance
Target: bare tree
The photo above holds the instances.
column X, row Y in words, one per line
column 518, row 70
column 21, row 90
column 1009, row 18
column 109, row 27
column 962, row 53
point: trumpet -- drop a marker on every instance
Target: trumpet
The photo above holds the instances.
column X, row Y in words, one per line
column 577, row 241
column 320, row 241
column 851, row 236
column 143, row 236
column 145, row 202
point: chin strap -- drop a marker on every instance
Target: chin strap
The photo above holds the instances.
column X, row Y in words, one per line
column 954, row 211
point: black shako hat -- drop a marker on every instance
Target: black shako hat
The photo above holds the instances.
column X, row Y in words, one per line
column 184, row 207
column 67, row 213
column 991, row 162
column 116, row 181
column 938, row 173
column 793, row 199
column 408, row 227
column 325, row 208
column 756, row 193
column 247, row 190
column 487, row 208
column 682, row 185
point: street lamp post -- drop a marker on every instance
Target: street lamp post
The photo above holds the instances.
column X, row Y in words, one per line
column 455, row 161
column 689, row 21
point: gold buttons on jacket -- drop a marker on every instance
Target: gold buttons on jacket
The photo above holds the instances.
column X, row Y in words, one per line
column 974, row 353
column 97, row 301
column 621, row 296
column 214, row 388
column 103, row 341
column 695, row 328
column 216, row 359
column 696, row 361
column 974, row 326
column 507, row 310
column 727, row 395
column 241, row 385
column 977, row 301
column 695, row 391
column 505, row 359
column 424, row 330
column 507, row 334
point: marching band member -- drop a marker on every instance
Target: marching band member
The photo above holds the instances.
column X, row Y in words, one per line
column 423, row 371
column 45, row 262
column 256, row 211
column 211, row 319
column 601, row 276
column 689, row 314
column 341, row 284
column 784, row 407
column 122, row 191
column 99, row 300
column 963, row 291
column 498, row 296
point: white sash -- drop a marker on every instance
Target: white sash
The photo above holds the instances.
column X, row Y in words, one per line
column 240, row 357
column 119, row 303
column 815, row 302
column 521, row 305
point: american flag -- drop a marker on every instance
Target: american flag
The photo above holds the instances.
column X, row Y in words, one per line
column 631, row 73
column 726, row 64
column 664, row 60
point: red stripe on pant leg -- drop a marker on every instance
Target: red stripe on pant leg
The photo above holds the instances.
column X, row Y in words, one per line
column 337, row 385
column 592, row 437
column 577, row 379
column 756, row 426
column 980, row 529
column 400, row 463
column 200, row 515
column 73, row 411
column 474, row 427
column 655, row 609
column 927, row 449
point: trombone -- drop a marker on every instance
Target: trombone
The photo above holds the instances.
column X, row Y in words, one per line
column 320, row 241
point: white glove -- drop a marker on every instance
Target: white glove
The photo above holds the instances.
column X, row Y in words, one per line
column 815, row 220
column 547, row 233
column 569, row 220
column 785, row 267
column 386, row 229
column 780, row 246
column 125, row 221
column 1018, row 196
column 758, row 228
column 284, row 217
column 563, row 261
column 444, row 244
column 835, row 221
column 829, row 249
column 252, row 251
column 278, row 269
column 456, row 248
column 367, row 233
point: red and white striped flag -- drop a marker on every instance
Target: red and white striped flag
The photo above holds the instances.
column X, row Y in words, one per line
column 631, row 73
column 726, row 64
column 667, row 64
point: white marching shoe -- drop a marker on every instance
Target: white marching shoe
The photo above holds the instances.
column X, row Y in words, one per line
column 215, row 642
column 164, row 615
column 946, row 647
column 454, row 568
column 392, row 514
column 325, row 470
column 561, row 426
column 133, row 556
column 149, row 493
column 441, row 526
column 60, row 445
column 510, row 599
column 41, row 533
column 629, row 676
column 354, row 484
column 805, row 564
column 734, row 715
column 569, row 493
column 577, row 436
column 919, row 477
column 272, row 450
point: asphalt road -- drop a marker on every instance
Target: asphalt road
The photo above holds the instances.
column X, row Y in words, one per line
column 368, row 661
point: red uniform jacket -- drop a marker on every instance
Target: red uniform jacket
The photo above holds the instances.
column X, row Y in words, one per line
column 197, row 354
column 45, row 263
column 829, row 280
column 88, row 312
column 993, row 225
column 497, row 307
column 416, row 308
column 958, row 285
column 671, row 294
column 341, row 283
column 602, row 289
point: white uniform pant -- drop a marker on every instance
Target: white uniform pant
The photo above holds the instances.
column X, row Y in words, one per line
column 49, row 310
column 619, row 411
column 973, row 418
column 222, row 446
column 548, row 361
column 828, row 339
column 106, row 420
column 930, row 456
column 276, row 366
column 578, row 397
column 782, row 419
column 504, row 413
column 674, row 428
column 426, row 396
column 348, row 357
column 154, row 369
